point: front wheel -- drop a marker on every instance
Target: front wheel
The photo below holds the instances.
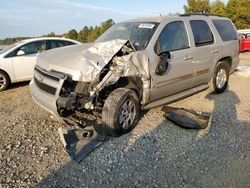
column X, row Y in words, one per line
column 219, row 81
column 120, row 111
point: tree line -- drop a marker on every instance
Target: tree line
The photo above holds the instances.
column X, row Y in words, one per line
column 237, row 10
column 86, row 34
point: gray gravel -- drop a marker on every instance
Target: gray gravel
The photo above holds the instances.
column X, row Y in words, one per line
column 156, row 153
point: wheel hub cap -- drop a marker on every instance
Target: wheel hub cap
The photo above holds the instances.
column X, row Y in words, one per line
column 127, row 114
column 221, row 78
column 2, row 81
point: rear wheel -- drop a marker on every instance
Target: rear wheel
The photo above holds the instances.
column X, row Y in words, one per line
column 219, row 81
column 4, row 81
column 120, row 112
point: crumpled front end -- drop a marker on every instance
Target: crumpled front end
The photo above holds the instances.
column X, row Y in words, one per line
column 100, row 69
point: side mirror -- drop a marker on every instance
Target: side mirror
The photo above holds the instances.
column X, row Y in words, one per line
column 20, row 53
column 162, row 65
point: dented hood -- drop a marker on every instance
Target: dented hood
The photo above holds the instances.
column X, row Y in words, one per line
column 82, row 61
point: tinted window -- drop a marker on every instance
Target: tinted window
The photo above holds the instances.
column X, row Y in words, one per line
column 69, row 43
column 225, row 29
column 34, row 47
column 58, row 43
column 248, row 36
column 30, row 48
column 173, row 37
column 202, row 33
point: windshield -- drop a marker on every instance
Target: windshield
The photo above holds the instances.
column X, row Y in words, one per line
column 7, row 48
column 138, row 34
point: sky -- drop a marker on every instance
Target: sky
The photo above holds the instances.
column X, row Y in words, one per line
column 38, row 17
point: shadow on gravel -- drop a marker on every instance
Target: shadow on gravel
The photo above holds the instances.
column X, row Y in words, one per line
column 168, row 155
column 17, row 85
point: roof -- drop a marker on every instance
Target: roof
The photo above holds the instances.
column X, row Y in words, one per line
column 47, row 38
column 159, row 19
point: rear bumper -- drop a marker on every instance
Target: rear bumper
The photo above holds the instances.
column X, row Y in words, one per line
column 45, row 100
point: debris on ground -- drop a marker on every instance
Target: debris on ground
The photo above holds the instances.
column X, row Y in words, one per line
column 186, row 118
column 78, row 143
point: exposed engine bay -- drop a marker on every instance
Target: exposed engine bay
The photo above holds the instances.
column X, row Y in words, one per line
column 127, row 69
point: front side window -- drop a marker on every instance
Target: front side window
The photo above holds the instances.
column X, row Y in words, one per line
column 30, row 48
column 225, row 29
column 202, row 33
column 34, row 47
column 173, row 37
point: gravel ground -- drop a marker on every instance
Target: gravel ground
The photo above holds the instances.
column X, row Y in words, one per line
column 156, row 153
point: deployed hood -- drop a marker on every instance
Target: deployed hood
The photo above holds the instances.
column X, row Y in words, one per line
column 82, row 61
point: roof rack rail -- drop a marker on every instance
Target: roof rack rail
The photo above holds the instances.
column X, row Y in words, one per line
column 199, row 14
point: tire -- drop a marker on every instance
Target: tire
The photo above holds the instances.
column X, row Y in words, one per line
column 4, row 81
column 117, row 117
column 219, row 81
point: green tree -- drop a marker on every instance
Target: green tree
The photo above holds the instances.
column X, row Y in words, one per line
column 106, row 25
column 52, row 34
column 238, row 12
column 197, row 6
column 218, row 8
column 93, row 34
column 231, row 9
column 72, row 34
column 83, row 34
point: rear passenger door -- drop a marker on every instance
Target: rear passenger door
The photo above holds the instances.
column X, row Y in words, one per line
column 204, row 51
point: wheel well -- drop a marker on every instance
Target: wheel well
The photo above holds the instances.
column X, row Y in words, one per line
column 6, row 74
column 228, row 60
column 133, row 83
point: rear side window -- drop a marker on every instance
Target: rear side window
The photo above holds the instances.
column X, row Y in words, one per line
column 202, row 33
column 225, row 29
column 58, row 43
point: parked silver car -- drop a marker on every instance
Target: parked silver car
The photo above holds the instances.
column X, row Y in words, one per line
column 137, row 64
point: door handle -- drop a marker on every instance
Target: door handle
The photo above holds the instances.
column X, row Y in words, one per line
column 215, row 51
column 188, row 57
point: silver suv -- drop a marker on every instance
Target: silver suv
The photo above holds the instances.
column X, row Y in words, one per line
column 137, row 64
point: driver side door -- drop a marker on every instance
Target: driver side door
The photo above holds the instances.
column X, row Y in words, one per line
column 181, row 68
column 24, row 64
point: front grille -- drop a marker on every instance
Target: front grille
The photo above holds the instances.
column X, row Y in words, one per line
column 47, row 75
column 46, row 80
column 45, row 87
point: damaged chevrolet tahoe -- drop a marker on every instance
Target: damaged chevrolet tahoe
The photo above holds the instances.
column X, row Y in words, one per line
column 137, row 64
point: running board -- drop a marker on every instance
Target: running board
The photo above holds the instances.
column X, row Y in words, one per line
column 175, row 97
